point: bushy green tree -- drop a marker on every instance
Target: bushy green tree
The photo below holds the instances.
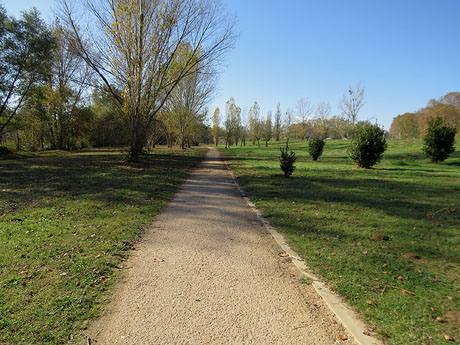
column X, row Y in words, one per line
column 26, row 46
column 287, row 161
column 439, row 141
column 368, row 146
column 315, row 148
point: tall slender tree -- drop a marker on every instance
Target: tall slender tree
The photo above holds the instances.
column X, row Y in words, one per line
column 255, row 124
column 267, row 129
column 232, row 121
column 216, row 126
column 277, row 126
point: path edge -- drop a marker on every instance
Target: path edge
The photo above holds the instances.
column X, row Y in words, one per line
column 348, row 317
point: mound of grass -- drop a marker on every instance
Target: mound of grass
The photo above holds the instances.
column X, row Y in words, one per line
column 387, row 239
column 67, row 221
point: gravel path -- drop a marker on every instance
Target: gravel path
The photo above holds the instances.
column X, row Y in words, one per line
column 207, row 272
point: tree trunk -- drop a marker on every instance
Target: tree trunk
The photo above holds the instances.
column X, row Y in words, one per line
column 18, row 144
column 136, row 146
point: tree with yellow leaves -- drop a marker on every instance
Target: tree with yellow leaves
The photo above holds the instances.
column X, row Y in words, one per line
column 135, row 45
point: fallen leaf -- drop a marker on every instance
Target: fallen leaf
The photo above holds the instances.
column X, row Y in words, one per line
column 365, row 252
column 400, row 278
column 451, row 210
column 23, row 272
column 380, row 237
column 283, row 255
column 411, row 256
column 448, row 337
column 370, row 302
column 63, row 274
column 449, row 298
column 440, row 319
column 158, row 260
column 385, row 265
column 24, row 283
column 343, row 337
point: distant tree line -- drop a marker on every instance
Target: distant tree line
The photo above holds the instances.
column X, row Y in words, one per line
column 305, row 121
column 415, row 125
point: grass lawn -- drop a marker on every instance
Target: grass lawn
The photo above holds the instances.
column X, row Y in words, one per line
column 387, row 238
column 66, row 223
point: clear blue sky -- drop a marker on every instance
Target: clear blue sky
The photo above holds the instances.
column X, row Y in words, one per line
column 404, row 52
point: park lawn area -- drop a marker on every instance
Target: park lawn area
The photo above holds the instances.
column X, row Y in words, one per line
column 67, row 221
column 387, row 238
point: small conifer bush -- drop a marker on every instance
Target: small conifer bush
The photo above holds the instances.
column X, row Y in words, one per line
column 287, row 161
column 315, row 148
column 368, row 146
column 439, row 140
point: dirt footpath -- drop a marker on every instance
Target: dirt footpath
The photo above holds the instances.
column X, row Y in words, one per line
column 207, row 272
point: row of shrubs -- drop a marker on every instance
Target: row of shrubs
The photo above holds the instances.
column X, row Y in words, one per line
column 369, row 143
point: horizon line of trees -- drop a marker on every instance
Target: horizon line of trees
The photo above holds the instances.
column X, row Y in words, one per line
column 306, row 121
column 415, row 125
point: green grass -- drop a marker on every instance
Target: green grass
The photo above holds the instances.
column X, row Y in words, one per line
column 67, row 221
column 389, row 236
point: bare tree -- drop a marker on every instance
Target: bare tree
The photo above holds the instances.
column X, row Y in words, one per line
column 305, row 111
column 352, row 103
column 69, row 80
column 133, row 45
column 186, row 105
column 322, row 114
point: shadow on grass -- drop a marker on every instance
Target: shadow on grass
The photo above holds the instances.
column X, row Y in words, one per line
column 408, row 202
column 98, row 174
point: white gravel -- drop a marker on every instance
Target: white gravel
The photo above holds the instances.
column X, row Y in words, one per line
column 222, row 280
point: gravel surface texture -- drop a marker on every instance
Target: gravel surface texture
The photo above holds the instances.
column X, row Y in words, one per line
column 207, row 272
